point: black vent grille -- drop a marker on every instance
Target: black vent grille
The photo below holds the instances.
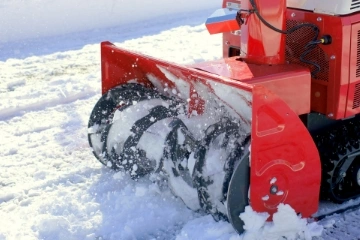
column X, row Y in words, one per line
column 295, row 45
column 355, row 4
column 358, row 55
column 356, row 102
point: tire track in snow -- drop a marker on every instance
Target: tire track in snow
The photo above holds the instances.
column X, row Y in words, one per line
column 342, row 226
column 71, row 178
column 68, row 98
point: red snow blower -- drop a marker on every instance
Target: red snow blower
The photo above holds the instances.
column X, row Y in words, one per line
column 276, row 120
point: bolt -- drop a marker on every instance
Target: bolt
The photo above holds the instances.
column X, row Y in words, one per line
column 273, row 180
column 273, row 189
column 343, row 174
column 293, row 14
column 319, row 19
column 330, row 115
column 227, row 43
column 265, row 198
column 332, row 57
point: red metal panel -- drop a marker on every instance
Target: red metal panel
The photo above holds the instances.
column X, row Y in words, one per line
column 334, row 96
column 290, row 82
column 260, row 44
column 117, row 70
column 330, row 96
column 283, row 155
column 220, row 27
column 353, row 104
column 120, row 66
column 230, row 40
column 282, row 84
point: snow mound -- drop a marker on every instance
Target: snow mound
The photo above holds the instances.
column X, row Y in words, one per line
column 286, row 224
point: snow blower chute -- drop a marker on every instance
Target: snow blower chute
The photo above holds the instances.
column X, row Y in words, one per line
column 248, row 129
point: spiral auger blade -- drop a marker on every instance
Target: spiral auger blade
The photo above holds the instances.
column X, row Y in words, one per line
column 178, row 163
column 115, row 117
column 134, row 119
column 199, row 171
column 215, row 160
column 133, row 159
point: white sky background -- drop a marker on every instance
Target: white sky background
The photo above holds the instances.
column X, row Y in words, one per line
column 21, row 19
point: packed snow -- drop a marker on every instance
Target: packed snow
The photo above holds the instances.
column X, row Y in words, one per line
column 51, row 185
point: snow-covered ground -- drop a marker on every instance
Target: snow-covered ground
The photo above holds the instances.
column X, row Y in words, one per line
column 52, row 187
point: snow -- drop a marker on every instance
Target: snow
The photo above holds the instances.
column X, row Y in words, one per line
column 51, row 186
column 285, row 225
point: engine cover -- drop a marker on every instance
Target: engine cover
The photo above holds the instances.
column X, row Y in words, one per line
column 331, row 7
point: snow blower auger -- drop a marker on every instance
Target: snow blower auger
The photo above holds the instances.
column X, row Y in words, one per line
column 276, row 120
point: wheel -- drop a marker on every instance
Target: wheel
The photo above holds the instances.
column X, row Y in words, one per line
column 345, row 179
column 339, row 149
